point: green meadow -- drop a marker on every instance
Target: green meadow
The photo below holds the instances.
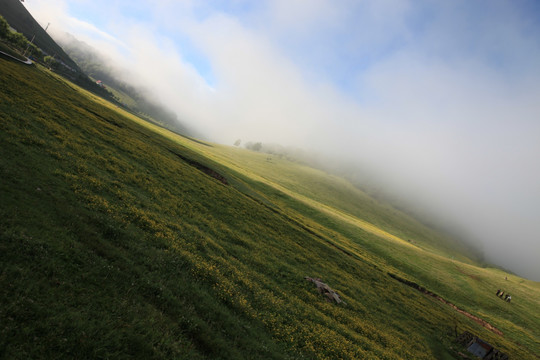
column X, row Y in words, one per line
column 120, row 239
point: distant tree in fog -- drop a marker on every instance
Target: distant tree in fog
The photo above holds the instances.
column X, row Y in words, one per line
column 254, row 146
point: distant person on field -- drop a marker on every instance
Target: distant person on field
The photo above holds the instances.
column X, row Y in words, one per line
column 501, row 294
column 509, row 298
column 498, row 292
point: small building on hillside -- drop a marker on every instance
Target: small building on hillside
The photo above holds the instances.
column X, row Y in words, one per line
column 480, row 348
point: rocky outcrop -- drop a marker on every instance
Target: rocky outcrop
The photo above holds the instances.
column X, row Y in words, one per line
column 325, row 290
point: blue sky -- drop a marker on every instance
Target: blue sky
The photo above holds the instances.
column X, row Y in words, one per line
column 332, row 42
column 440, row 100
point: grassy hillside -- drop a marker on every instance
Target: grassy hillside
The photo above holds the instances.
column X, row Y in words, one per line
column 393, row 240
column 120, row 239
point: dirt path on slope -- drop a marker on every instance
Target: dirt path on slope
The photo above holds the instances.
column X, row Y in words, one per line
column 439, row 298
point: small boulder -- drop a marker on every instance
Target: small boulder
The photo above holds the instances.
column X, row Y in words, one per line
column 325, row 290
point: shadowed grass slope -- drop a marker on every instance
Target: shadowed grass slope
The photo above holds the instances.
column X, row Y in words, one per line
column 115, row 243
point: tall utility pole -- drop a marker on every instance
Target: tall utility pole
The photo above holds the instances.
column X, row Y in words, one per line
column 30, row 43
column 33, row 37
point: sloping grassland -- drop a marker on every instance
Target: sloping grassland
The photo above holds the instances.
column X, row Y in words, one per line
column 117, row 241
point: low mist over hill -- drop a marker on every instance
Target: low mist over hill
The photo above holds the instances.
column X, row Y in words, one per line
column 133, row 95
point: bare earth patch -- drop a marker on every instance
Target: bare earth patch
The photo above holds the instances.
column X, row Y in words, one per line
column 439, row 298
